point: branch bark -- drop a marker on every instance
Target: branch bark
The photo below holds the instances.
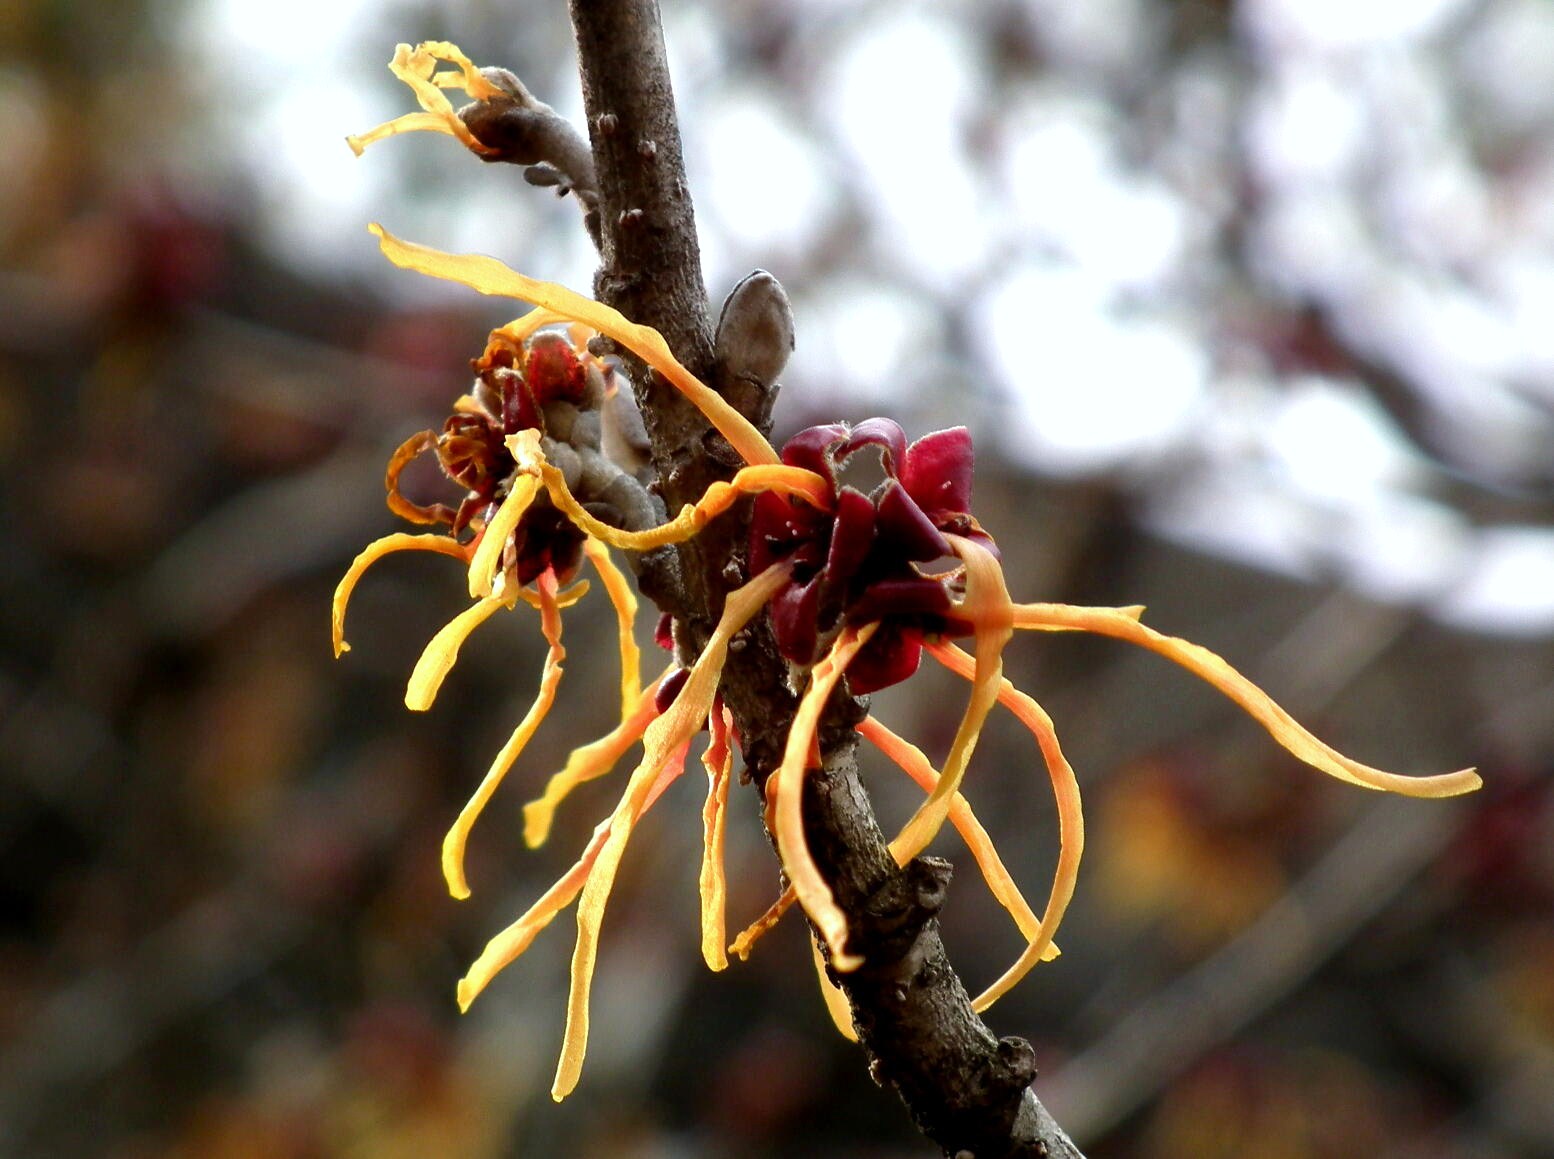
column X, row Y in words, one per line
column 966, row 1089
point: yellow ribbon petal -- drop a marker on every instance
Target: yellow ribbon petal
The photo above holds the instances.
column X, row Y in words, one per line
column 589, row 762
column 742, row 945
column 417, row 68
column 985, row 604
column 458, row 836
column 369, row 555
column 718, row 760
column 668, row 735
column 501, row 950
column 1258, row 704
column 1000, row 883
column 786, row 788
column 1069, row 617
column 1071, row 821
column 718, row 498
column 519, row 330
column 837, row 1006
column 487, row 559
column 564, row 599
column 489, row 276
column 442, row 652
column 625, row 603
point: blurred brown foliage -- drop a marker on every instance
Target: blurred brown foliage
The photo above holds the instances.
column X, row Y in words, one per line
column 224, row 932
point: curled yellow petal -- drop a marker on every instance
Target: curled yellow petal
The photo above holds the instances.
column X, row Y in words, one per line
column 1071, row 820
column 470, row 78
column 405, row 123
column 665, row 740
column 786, row 786
column 501, row 950
column 752, row 933
column 519, row 330
column 458, row 836
column 589, row 762
column 408, row 452
column 369, row 555
column 442, row 652
column 1257, row 703
column 1069, row 617
column 1000, row 883
column 986, row 604
column 718, row 759
column 564, row 599
column 467, row 404
column 624, row 601
column 489, row 276
column 486, row 561
column 837, row 1006
column 438, row 658
column 656, row 768
column 417, row 68
column 719, row 497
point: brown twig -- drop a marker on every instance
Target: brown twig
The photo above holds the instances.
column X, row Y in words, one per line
column 966, row 1089
column 520, row 129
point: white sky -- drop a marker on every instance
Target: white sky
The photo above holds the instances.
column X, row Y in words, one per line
column 1068, row 254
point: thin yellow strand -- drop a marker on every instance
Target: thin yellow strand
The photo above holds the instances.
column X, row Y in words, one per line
column 416, row 68
column 1253, row 700
column 1069, row 617
column 787, row 786
column 670, row 733
column 489, row 276
column 458, row 836
column 442, row 652
column 404, row 123
column 501, row 950
column 742, row 945
column 589, row 762
column 1071, row 819
column 470, row 78
column 487, row 559
column 625, row 603
column 837, row 1006
column 564, row 599
column 369, row 555
column 985, row 605
column 718, row 760
column 718, row 498
column 520, row 330
column 1000, row 883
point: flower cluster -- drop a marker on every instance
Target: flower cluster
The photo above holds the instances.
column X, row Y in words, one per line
column 856, row 586
column 862, row 560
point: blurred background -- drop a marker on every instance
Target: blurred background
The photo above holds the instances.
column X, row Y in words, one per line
column 1251, row 307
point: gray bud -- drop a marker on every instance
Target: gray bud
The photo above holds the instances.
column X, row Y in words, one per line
column 627, row 501
column 755, row 329
column 560, row 419
column 565, row 459
column 586, row 430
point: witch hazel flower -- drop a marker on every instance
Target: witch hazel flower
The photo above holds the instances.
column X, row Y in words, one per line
column 863, row 560
column 524, row 445
column 858, row 586
column 861, row 576
column 418, row 69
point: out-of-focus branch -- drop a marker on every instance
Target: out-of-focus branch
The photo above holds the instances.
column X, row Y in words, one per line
column 523, row 130
column 966, row 1089
column 1163, row 1036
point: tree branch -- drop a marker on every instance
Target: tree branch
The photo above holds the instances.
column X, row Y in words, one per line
column 966, row 1089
